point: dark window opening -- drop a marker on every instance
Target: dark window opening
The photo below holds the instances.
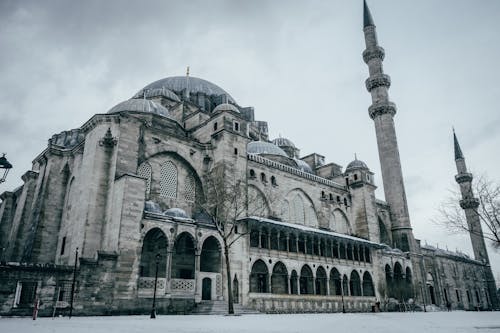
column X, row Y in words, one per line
column 355, row 177
column 216, row 125
column 331, row 197
column 236, row 126
column 263, row 177
column 235, row 151
column 273, row 181
column 63, row 245
column 252, row 173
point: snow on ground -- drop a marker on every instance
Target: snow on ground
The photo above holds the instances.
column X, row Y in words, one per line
column 442, row 322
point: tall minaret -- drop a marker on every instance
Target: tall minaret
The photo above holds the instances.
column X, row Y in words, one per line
column 382, row 112
column 469, row 204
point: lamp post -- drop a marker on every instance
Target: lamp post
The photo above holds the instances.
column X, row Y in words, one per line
column 342, row 294
column 4, row 164
column 423, row 295
column 153, row 309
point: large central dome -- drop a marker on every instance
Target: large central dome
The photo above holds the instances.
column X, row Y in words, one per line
column 179, row 83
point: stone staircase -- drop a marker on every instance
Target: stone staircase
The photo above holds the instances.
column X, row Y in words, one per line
column 220, row 308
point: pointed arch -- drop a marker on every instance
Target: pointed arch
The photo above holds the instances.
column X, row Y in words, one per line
column 279, row 279
column 301, row 208
column 306, row 280
column 210, row 258
column 335, row 282
column 259, row 277
column 183, row 259
column 294, row 288
column 154, row 243
column 321, row 281
column 355, row 284
column 368, row 289
column 340, row 223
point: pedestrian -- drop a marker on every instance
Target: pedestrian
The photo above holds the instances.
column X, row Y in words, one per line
column 448, row 305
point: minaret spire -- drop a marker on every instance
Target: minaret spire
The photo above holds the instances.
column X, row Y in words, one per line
column 382, row 112
column 367, row 16
column 458, row 151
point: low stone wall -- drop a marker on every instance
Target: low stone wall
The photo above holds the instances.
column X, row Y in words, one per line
column 270, row 303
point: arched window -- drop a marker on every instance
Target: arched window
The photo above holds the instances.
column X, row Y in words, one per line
column 355, row 284
column 335, row 282
column 252, row 173
column 263, row 177
column 306, row 281
column 368, row 289
column 190, row 188
column 154, row 243
column 321, row 281
column 345, row 286
column 168, row 180
column 355, row 177
column 184, row 257
column 144, row 171
column 273, row 181
column 210, row 260
column 259, row 277
column 279, row 279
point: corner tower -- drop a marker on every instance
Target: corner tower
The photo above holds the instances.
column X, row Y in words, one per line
column 382, row 112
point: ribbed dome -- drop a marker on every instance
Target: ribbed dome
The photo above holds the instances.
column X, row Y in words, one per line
column 152, row 207
column 176, row 212
column 262, row 147
column 356, row 164
column 158, row 92
column 140, row 105
column 283, row 142
column 178, row 84
column 303, row 165
column 225, row 107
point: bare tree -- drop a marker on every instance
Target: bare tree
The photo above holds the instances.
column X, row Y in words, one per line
column 452, row 216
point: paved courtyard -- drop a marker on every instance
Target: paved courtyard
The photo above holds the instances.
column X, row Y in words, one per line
column 442, row 322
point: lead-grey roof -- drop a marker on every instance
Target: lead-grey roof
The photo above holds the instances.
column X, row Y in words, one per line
column 179, row 83
column 283, row 142
column 176, row 212
column 156, row 93
column 356, row 164
column 303, row 165
column 225, row 107
column 140, row 105
column 267, row 148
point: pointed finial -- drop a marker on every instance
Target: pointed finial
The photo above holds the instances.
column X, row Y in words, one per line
column 355, row 157
column 187, row 71
column 367, row 16
column 187, row 82
column 458, row 150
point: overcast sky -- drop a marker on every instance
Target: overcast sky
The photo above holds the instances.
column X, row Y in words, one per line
column 298, row 63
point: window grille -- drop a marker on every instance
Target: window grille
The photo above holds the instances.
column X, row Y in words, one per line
column 144, row 171
column 190, row 188
column 168, row 180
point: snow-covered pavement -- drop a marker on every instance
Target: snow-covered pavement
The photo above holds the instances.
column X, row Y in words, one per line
column 442, row 322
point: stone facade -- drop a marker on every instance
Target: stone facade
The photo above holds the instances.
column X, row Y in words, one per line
column 128, row 194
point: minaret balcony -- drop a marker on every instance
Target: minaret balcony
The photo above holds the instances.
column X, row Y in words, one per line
column 469, row 203
column 464, row 177
column 378, row 80
column 377, row 52
column 382, row 108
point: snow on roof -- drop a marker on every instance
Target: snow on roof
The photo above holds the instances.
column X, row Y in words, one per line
column 309, row 229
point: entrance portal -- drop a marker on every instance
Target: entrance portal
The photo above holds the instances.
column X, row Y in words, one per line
column 206, row 289
column 431, row 292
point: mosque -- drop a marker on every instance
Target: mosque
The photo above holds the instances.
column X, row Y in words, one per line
column 127, row 208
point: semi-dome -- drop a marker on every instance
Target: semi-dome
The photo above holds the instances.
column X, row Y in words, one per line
column 226, row 107
column 158, row 92
column 176, row 212
column 303, row 166
column 266, row 148
column 178, row 84
column 356, row 164
column 140, row 105
column 283, row 142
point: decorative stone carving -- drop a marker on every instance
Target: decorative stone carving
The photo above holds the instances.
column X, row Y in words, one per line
column 374, row 53
column 463, row 178
column 379, row 109
column 378, row 80
column 469, row 203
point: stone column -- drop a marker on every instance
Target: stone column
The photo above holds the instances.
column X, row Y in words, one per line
column 168, row 288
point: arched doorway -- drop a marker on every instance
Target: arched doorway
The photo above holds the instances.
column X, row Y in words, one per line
column 293, row 283
column 206, row 289
column 306, row 281
column 368, row 289
column 431, row 292
column 154, row 243
column 355, row 284
column 210, row 259
column 259, row 277
column 335, row 282
column 183, row 260
column 279, row 279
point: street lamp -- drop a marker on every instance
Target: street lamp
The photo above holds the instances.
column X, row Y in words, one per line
column 153, row 309
column 342, row 295
column 4, row 164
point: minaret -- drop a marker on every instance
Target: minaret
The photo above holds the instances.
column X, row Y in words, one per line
column 469, row 204
column 382, row 112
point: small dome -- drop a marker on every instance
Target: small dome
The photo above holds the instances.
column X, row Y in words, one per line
column 176, row 212
column 303, row 166
column 140, row 105
column 225, row 107
column 152, row 207
column 356, row 164
column 266, row 148
column 157, row 92
column 283, row 142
